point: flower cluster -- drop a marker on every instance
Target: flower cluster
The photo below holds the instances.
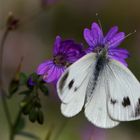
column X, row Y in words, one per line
column 67, row 52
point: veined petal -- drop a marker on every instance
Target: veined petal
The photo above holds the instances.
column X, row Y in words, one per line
column 89, row 38
column 116, row 40
column 44, row 67
column 111, row 33
column 121, row 53
column 97, row 33
column 89, row 50
column 57, row 45
column 53, row 74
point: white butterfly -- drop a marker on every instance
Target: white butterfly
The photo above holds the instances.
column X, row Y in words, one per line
column 107, row 90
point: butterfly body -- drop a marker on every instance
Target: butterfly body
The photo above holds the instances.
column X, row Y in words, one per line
column 101, row 61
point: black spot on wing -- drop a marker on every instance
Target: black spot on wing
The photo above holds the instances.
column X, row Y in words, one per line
column 126, row 101
column 137, row 110
column 75, row 89
column 113, row 101
column 71, row 83
column 139, row 101
column 63, row 80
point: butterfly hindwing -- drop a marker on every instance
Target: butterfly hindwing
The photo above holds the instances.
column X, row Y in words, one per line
column 96, row 107
column 123, row 93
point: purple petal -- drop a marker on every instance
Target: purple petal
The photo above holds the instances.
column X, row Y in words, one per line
column 122, row 53
column 53, row 74
column 119, row 59
column 50, row 75
column 111, row 33
column 97, row 33
column 57, row 45
column 44, row 67
column 74, row 53
column 65, row 46
column 89, row 50
column 89, row 38
column 116, row 40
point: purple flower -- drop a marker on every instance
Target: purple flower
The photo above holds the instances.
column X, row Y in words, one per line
column 65, row 53
column 96, row 40
column 30, row 82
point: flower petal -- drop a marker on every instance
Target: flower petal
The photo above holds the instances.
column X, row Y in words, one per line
column 89, row 38
column 57, row 45
column 121, row 53
column 44, row 67
column 89, row 50
column 53, row 74
column 97, row 33
column 74, row 53
column 116, row 40
column 111, row 33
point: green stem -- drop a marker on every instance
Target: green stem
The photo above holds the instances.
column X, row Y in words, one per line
column 3, row 92
column 14, row 126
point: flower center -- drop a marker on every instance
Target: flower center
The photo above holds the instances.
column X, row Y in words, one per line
column 60, row 60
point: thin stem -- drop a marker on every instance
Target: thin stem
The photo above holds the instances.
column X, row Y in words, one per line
column 1, row 55
column 14, row 126
column 3, row 93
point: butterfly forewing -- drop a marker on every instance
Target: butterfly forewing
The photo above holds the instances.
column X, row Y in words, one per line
column 73, row 80
column 123, row 92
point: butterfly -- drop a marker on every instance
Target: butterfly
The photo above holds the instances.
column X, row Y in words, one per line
column 103, row 86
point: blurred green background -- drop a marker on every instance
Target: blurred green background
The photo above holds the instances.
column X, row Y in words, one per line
column 34, row 40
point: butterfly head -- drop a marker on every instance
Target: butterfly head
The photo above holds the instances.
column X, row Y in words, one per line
column 102, row 51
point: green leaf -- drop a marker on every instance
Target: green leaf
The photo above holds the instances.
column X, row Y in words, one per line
column 13, row 87
column 44, row 88
column 40, row 117
column 27, row 108
column 29, row 135
column 33, row 115
column 23, row 78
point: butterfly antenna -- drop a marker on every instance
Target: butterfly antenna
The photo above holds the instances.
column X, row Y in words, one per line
column 99, row 21
column 124, row 37
column 130, row 33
